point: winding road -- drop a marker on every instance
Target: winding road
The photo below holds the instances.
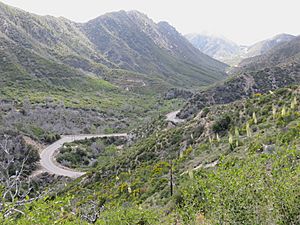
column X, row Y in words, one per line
column 49, row 163
column 172, row 116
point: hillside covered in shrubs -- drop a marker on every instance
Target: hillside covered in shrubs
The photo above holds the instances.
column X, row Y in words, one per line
column 231, row 164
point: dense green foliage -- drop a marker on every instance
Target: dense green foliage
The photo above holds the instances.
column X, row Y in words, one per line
column 90, row 152
column 258, row 190
column 222, row 124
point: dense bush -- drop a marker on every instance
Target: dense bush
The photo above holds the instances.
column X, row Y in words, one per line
column 222, row 124
column 264, row 189
column 89, row 152
column 50, row 138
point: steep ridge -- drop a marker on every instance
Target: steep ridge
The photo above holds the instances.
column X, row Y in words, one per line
column 134, row 42
column 54, row 38
column 283, row 53
column 116, row 43
column 264, row 46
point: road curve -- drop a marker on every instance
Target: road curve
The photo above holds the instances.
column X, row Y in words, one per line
column 47, row 155
column 172, row 116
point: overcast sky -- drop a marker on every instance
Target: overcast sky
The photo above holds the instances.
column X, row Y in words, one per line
column 243, row 21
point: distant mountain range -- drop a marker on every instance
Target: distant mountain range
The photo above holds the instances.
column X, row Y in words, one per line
column 58, row 50
column 231, row 53
column 283, row 54
column 276, row 68
column 217, row 47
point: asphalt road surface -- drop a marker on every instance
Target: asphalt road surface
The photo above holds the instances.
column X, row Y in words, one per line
column 173, row 118
column 49, row 163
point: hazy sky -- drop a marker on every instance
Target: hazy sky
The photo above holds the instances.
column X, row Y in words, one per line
column 243, row 21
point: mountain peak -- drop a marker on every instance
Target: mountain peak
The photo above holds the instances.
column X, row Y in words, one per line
column 133, row 41
column 136, row 13
column 283, row 35
column 123, row 14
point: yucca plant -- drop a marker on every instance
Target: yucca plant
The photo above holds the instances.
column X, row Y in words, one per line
column 283, row 111
column 254, row 118
column 241, row 112
column 230, row 139
column 210, row 139
column 248, row 130
column 274, row 109
column 191, row 173
column 218, row 138
column 294, row 103
column 129, row 189
column 181, row 154
column 237, row 135
column 236, row 132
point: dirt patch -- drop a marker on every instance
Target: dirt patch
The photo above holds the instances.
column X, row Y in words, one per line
column 34, row 143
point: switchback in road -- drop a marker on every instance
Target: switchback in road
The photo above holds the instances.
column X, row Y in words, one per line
column 49, row 163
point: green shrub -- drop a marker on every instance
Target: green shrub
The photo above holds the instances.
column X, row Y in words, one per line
column 222, row 124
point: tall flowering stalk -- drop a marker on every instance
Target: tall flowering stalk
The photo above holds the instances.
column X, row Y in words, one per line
column 294, row 103
column 274, row 111
column 210, row 139
column 230, row 139
column 191, row 173
column 248, row 130
column 283, row 111
column 237, row 135
column 254, row 118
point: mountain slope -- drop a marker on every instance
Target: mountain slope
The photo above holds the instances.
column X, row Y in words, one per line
column 279, row 67
column 231, row 163
column 266, row 45
column 284, row 53
column 49, row 63
column 46, row 59
column 54, row 38
column 114, row 41
column 134, row 42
